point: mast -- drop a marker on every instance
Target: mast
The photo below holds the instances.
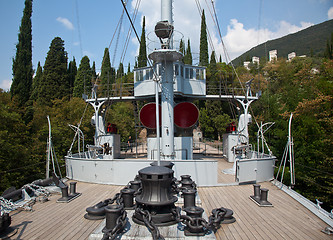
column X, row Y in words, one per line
column 47, row 175
column 167, row 95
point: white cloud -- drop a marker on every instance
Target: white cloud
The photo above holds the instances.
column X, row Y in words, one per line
column 330, row 13
column 64, row 21
column 237, row 39
column 5, row 84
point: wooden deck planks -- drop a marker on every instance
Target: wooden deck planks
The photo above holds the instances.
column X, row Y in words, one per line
column 53, row 220
column 286, row 220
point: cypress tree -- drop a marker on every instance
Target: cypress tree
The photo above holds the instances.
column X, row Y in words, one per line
column 36, row 82
column 22, row 63
column 72, row 70
column 212, row 64
column 182, row 48
column 142, row 59
column 329, row 48
column 188, row 55
column 129, row 68
column 107, row 73
column 83, row 78
column 93, row 73
column 120, row 71
column 55, row 84
column 203, row 58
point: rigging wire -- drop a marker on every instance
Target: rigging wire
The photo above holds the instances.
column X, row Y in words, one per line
column 117, row 40
column 15, row 169
column 78, row 26
column 130, row 31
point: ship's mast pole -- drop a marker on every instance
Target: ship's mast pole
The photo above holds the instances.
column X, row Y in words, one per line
column 166, row 15
column 167, row 95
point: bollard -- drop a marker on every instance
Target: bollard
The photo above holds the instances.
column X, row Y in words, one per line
column 256, row 188
column 112, row 213
column 64, row 192
column 186, row 181
column 263, row 197
column 135, row 185
column 189, row 197
column 194, row 213
column 72, row 189
column 128, row 196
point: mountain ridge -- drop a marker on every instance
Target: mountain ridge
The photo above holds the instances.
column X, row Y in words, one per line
column 309, row 41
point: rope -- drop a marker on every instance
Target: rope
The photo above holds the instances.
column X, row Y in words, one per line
column 15, row 169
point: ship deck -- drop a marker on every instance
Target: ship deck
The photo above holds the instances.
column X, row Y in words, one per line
column 287, row 219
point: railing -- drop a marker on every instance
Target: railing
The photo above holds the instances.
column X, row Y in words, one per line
column 127, row 89
column 208, row 148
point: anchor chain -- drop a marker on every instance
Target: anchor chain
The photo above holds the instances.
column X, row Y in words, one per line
column 117, row 198
column 39, row 191
column 147, row 219
column 216, row 218
column 213, row 223
column 121, row 221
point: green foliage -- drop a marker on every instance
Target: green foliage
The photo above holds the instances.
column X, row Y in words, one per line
column 72, row 70
column 303, row 86
column 120, row 71
column 82, row 84
column 13, row 148
column 188, row 55
column 22, row 63
column 108, row 75
column 36, row 82
column 213, row 121
column 203, row 59
column 54, row 84
column 142, row 58
column 121, row 114
column 329, row 48
column 182, row 47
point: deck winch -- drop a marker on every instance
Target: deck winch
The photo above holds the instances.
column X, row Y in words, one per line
column 155, row 191
column 156, row 196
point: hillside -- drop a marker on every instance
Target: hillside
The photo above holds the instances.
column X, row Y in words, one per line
column 303, row 42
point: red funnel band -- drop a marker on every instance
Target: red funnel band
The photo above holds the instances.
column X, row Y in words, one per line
column 186, row 114
column 148, row 115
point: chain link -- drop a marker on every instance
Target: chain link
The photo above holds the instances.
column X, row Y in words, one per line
column 121, row 221
column 8, row 206
column 147, row 219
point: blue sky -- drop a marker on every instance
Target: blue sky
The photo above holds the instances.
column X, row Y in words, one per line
column 87, row 27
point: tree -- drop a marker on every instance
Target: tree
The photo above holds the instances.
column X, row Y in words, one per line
column 329, row 48
column 83, row 78
column 22, row 63
column 203, row 58
column 36, row 82
column 107, row 72
column 93, row 72
column 212, row 64
column 72, row 70
column 120, row 71
column 188, row 56
column 54, row 83
column 13, row 145
column 142, row 59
